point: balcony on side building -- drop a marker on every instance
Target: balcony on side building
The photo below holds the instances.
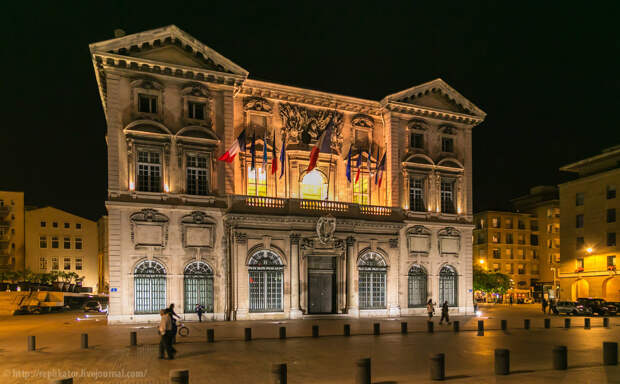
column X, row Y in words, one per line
column 4, row 211
column 301, row 207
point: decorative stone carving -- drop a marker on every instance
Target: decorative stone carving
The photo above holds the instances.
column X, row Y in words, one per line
column 301, row 125
column 295, row 238
column 419, row 240
column 393, row 243
column 149, row 228
column 196, row 90
column 363, row 121
column 307, row 243
column 198, row 230
column 339, row 244
column 447, row 129
column 449, row 241
column 257, row 104
column 418, row 124
column 325, row 228
column 241, row 238
column 350, row 241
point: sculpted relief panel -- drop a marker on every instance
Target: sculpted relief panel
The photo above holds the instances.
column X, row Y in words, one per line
column 302, row 125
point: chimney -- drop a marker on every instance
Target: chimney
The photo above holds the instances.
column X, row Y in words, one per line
column 119, row 32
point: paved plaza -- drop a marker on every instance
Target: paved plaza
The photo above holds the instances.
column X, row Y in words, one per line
column 328, row 359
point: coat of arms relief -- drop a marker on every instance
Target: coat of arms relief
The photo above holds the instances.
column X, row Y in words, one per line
column 303, row 125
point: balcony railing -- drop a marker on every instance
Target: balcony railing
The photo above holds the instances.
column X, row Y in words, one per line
column 280, row 206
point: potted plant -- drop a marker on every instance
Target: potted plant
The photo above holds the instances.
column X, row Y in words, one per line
column 580, row 269
column 66, row 277
column 611, row 268
column 74, row 286
column 78, row 282
column 57, row 283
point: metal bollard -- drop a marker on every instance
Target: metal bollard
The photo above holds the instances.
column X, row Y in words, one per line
column 315, row 331
column 376, row 329
column 606, row 322
column 248, row 334
column 566, row 323
column 610, row 353
column 429, row 326
column 404, row 327
column 179, row 376
column 526, row 324
column 438, row 366
column 63, row 381
column 210, row 335
column 283, row 332
column 347, row 329
column 84, row 340
column 560, row 358
column 586, row 323
column 133, row 339
column 363, row 374
column 547, row 323
column 480, row 327
column 504, row 324
column 278, row 372
column 456, row 325
column 32, row 343
column 502, row 361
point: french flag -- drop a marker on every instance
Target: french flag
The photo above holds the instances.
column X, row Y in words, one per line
column 380, row 170
column 358, row 164
column 274, row 159
column 236, row 147
column 322, row 145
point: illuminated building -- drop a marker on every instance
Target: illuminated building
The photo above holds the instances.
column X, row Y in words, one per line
column 12, row 253
column 250, row 243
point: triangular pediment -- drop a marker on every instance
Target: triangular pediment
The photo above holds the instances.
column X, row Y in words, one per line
column 438, row 95
column 169, row 45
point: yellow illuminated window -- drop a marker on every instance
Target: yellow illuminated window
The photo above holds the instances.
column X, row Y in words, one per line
column 257, row 186
column 313, row 186
column 360, row 191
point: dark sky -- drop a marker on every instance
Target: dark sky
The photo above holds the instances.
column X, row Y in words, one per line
column 546, row 73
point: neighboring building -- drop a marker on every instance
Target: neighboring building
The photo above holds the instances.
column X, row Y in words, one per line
column 102, row 255
column 508, row 242
column 255, row 242
column 589, row 244
column 12, row 231
column 60, row 241
column 544, row 204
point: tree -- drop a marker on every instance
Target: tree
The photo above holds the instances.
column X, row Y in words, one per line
column 490, row 282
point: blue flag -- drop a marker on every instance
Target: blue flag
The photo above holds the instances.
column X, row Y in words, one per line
column 282, row 156
column 265, row 151
column 253, row 151
column 349, row 165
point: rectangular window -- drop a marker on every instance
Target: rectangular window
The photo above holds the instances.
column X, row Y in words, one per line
column 535, row 269
column 43, row 242
column 557, row 257
column 360, row 190
column 521, row 224
column 257, row 186
column 611, row 215
column 556, row 243
column 197, row 175
column 521, row 269
column 78, row 243
column 495, row 267
column 447, row 144
column 611, row 192
column 521, row 239
column 534, row 239
column 611, row 239
column 534, row 254
column 580, row 242
column 149, row 171
column 509, row 239
column 611, row 261
column 521, row 253
column 54, row 241
column 42, row 263
column 54, row 263
column 66, row 244
column 78, row 226
column 496, row 237
column 579, row 199
column 67, row 263
column 534, row 225
column 55, row 224
column 447, row 196
column 67, row 225
column 580, row 263
column 508, row 223
column 496, row 254
column 196, row 110
column 78, row 264
column 549, row 228
column 509, row 253
column 43, row 224
column 495, row 222
column 417, row 140
column 147, row 103
column 579, row 221
column 549, row 213
column 509, row 269
column 416, row 194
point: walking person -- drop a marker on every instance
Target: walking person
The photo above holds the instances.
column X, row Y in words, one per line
column 174, row 322
column 444, row 313
column 510, row 301
column 544, row 305
column 165, row 330
column 199, row 310
column 430, row 309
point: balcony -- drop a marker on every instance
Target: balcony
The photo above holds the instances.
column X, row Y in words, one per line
column 301, row 207
column 4, row 211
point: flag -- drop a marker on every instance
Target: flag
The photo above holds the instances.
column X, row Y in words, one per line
column 358, row 165
column 349, row 165
column 236, row 147
column 265, row 150
column 282, row 155
column 274, row 159
column 322, row 145
column 253, row 151
column 380, row 170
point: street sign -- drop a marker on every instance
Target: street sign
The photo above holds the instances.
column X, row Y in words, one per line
column 113, row 289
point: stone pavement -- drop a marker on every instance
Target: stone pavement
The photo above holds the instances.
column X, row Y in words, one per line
column 327, row 359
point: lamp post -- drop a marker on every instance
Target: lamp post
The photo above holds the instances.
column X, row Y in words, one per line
column 555, row 289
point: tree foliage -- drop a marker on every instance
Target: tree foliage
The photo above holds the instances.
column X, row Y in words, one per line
column 490, row 282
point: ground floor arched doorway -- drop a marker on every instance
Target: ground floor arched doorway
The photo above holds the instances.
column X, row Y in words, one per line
column 580, row 288
column 611, row 289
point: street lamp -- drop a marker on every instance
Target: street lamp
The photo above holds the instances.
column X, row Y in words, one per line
column 589, row 250
column 481, row 261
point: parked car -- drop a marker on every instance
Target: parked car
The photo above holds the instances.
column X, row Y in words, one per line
column 92, row 306
column 572, row 308
column 598, row 306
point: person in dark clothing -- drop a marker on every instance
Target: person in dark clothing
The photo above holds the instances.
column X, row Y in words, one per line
column 199, row 310
column 510, row 300
column 174, row 322
column 444, row 313
column 430, row 309
column 165, row 330
column 544, row 305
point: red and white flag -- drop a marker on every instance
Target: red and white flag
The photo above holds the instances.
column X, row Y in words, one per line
column 322, row 145
column 236, row 147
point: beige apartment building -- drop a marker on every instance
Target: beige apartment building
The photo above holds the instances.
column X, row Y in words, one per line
column 509, row 243
column 589, row 245
column 248, row 241
column 102, row 255
column 60, row 241
column 12, row 252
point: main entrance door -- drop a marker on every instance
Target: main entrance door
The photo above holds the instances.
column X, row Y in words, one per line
column 321, row 284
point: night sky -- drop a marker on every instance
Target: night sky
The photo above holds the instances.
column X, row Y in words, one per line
column 546, row 73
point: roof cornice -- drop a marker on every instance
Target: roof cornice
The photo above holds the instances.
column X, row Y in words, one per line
column 428, row 112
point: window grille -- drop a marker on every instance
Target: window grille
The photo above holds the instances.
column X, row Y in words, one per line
column 447, row 196
column 265, row 280
column 417, row 287
column 372, row 274
column 197, row 175
column 149, row 171
column 198, row 284
column 416, row 194
column 448, row 286
column 150, row 287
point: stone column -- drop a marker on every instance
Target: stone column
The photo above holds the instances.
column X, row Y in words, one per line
column 352, row 299
column 295, row 311
column 242, row 293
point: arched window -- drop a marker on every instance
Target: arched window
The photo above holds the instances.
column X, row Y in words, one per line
column 448, row 286
column 198, row 286
column 372, row 271
column 150, row 287
column 417, row 286
column 266, row 276
column 313, row 186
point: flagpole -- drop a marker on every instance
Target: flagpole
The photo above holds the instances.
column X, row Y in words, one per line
column 329, row 171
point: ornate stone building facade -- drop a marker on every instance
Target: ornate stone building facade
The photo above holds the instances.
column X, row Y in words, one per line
column 254, row 242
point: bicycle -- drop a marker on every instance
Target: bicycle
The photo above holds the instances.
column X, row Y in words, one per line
column 183, row 330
